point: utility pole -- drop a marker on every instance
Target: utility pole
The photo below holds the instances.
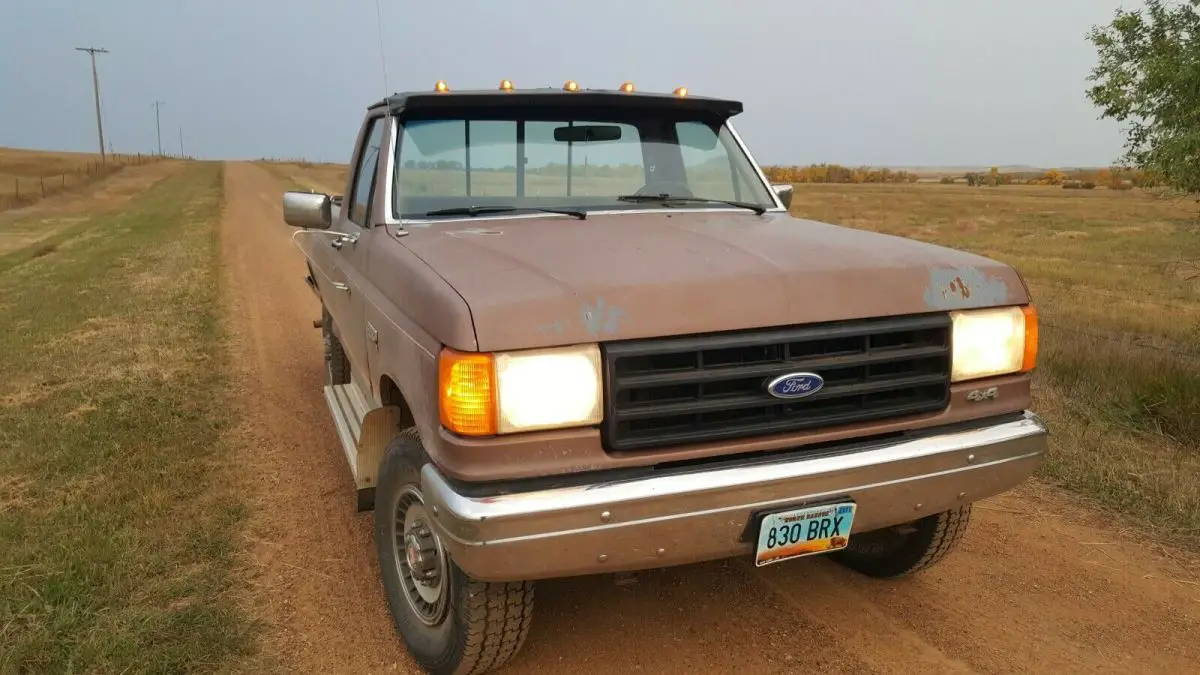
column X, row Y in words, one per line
column 158, row 126
column 92, row 51
column 181, row 153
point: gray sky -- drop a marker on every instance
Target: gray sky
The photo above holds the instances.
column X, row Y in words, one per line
column 930, row 82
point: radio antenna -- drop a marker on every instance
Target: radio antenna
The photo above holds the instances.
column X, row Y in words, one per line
column 382, row 59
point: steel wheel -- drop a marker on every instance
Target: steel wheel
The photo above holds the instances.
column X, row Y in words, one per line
column 419, row 558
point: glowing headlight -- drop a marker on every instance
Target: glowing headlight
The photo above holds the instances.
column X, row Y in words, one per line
column 989, row 342
column 484, row 394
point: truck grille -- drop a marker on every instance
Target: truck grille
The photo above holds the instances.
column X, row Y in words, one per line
column 670, row 391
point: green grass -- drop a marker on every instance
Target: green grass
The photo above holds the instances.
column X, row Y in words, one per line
column 1119, row 372
column 116, row 529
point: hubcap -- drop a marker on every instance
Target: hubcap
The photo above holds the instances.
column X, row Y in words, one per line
column 419, row 557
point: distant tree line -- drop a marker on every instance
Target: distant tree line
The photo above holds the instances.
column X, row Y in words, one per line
column 1115, row 177
column 836, row 173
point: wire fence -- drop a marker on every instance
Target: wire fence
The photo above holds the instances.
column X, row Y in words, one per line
column 21, row 190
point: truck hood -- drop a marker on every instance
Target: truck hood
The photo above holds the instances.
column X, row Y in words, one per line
column 538, row 282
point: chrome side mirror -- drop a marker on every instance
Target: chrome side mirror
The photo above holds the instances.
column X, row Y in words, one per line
column 784, row 192
column 310, row 210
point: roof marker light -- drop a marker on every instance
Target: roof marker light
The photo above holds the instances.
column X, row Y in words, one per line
column 571, row 85
column 681, row 92
column 441, row 87
column 627, row 87
column 506, row 85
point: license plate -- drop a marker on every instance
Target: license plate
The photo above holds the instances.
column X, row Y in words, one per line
column 800, row 532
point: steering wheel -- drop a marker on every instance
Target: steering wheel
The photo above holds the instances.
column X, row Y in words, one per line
column 669, row 187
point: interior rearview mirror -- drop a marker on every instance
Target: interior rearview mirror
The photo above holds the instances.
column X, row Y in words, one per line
column 583, row 133
column 310, row 210
column 784, row 192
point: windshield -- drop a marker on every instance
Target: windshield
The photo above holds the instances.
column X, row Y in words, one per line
column 584, row 164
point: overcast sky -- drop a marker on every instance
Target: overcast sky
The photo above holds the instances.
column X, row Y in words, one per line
column 928, row 82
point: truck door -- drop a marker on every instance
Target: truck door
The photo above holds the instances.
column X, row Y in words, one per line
column 348, row 255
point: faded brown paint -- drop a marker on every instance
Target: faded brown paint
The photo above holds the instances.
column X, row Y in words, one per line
column 518, row 283
column 558, row 281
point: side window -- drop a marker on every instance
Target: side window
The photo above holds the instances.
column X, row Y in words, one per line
column 364, row 174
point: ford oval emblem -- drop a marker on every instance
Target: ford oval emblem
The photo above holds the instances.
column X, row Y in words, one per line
column 795, row 385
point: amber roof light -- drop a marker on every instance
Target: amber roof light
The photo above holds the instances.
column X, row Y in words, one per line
column 571, row 85
column 441, row 87
column 627, row 87
column 506, row 85
column 681, row 91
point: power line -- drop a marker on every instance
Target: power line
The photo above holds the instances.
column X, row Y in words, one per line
column 93, row 51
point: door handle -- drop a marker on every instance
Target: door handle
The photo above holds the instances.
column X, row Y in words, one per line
column 341, row 286
column 338, row 242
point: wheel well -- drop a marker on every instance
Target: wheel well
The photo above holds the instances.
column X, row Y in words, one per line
column 389, row 394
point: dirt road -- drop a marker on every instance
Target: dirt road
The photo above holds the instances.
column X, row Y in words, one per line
column 1042, row 584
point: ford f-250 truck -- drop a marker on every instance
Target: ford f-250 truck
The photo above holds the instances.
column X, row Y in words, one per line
column 573, row 332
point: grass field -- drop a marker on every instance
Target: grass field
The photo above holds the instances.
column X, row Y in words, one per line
column 116, row 535
column 1116, row 276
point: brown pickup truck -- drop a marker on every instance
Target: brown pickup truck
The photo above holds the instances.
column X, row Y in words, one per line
column 576, row 332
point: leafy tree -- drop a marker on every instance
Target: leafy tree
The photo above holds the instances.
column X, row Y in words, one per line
column 1148, row 76
column 1053, row 177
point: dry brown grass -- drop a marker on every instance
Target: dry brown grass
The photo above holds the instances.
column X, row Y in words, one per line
column 27, row 176
column 1114, row 276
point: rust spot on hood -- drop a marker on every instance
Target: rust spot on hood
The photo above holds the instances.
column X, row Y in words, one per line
column 964, row 287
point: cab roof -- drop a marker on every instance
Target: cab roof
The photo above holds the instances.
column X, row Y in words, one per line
column 550, row 97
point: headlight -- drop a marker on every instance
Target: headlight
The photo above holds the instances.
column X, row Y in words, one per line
column 989, row 342
column 483, row 394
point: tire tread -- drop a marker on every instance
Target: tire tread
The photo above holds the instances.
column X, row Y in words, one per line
column 495, row 617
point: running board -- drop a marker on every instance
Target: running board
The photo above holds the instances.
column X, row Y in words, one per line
column 364, row 431
column 349, row 408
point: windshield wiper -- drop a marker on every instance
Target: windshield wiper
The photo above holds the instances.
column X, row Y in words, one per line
column 481, row 210
column 664, row 198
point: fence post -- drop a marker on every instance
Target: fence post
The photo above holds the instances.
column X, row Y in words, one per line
column 16, row 188
column 64, row 180
column 42, row 180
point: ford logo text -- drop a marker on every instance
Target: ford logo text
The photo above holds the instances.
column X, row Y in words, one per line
column 795, row 385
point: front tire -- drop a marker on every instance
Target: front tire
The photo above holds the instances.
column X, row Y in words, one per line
column 906, row 549
column 450, row 623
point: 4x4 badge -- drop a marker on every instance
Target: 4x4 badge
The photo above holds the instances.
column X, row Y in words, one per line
column 977, row 395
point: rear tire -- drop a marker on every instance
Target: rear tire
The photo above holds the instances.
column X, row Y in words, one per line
column 450, row 623
column 337, row 366
column 906, row 549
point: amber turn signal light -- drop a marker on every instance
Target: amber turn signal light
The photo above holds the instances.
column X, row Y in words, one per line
column 1031, row 338
column 467, row 392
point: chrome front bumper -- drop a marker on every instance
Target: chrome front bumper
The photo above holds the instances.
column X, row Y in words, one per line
column 692, row 514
